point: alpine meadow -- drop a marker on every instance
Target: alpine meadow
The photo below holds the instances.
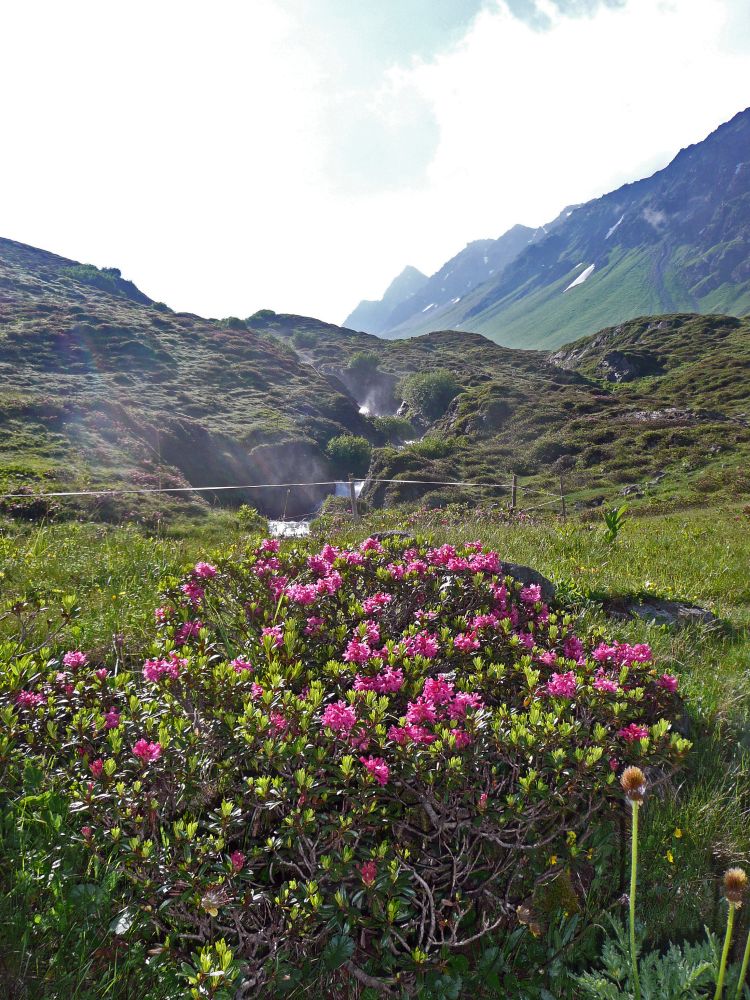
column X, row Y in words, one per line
column 408, row 657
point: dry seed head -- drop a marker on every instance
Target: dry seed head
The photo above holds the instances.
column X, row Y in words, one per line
column 735, row 884
column 633, row 782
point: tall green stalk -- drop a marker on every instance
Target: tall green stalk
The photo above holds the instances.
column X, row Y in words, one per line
column 633, row 880
column 725, row 952
column 743, row 970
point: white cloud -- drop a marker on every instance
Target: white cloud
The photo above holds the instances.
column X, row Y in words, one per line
column 191, row 145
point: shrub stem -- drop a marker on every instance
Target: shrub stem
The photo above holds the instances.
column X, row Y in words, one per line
column 725, row 952
column 743, row 970
column 633, row 879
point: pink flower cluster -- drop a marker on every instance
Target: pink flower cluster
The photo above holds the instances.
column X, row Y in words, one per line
column 562, row 685
column 339, row 717
column 439, row 702
column 622, row 654
column 147, row 752
column 75, row 660
column 154, row 670
column 30, row 699
column 377, row 768
column 422, row 644
column 388, row 681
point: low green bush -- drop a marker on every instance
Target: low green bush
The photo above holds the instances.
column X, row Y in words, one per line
column 430, row 393
column 351, row 453
column 359, row 761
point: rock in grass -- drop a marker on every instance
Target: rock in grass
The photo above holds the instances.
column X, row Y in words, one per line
column 675, row 614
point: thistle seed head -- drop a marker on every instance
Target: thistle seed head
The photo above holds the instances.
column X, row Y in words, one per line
column 735, row 884
column 633, row 782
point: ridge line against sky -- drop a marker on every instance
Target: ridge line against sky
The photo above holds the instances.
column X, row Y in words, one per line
column 297, row 154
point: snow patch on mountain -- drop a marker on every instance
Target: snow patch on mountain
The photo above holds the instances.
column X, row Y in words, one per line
column 581, row 277
column 612, row 229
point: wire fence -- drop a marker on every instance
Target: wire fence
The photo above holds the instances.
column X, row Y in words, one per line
column 514, row 488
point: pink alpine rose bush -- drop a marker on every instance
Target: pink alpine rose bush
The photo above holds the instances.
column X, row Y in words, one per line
column 394, row 739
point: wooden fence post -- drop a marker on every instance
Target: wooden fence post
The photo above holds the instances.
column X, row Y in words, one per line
column 514, row 492
column 353, row 496
column 562, row 501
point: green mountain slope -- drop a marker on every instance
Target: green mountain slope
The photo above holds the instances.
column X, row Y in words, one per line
column 678, row 241
column 100, row 387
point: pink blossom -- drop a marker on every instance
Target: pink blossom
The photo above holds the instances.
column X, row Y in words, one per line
column 154, row 670
column 313, row 625
column 237, row 859
column 277, row 585
column 482, row 804
column 388, row 681
column 669, row 682
column 405, row 734
column 112, row 719
column 302, row 593
column 371, row 632
column 633, row 732
column 75, row 659
column 329, row 584
column 639, row 653
column 422, row 644
column 96, row 767
column 269, row 545
column 466, row 643
column 329, row 553
column 146, row 751
column 278, row 722
column 187, row 631
column 396, row 571
column 357, row 651
column 562, row 685
column 442, row 555
column 526, row 639
column 205, row 570
column 339, row 717
column 193, row 591
column 463, row 701
column 461, row 737
column 549, row 659
column 239, row 664
column 101, row 674
column 457, row 564
column 606, row 684
column 418, row 566
column 276, row 633
column 30, row 699
column 377, row 768
column 484, row 621
column 438, row 690
column 487, row 562
column 475, row 546
column 161, row 614
column 531, row 594
column 372, row 605
column 353, row 558
column 256, row 690
column 421, row 710
column 368, row 870
column 318, row 564
column 371, row 545
column 572, row 648
column 86, row 832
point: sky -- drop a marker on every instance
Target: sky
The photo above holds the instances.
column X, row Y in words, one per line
column 297, row 154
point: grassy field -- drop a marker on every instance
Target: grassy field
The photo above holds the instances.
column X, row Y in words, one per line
column 96, row 587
